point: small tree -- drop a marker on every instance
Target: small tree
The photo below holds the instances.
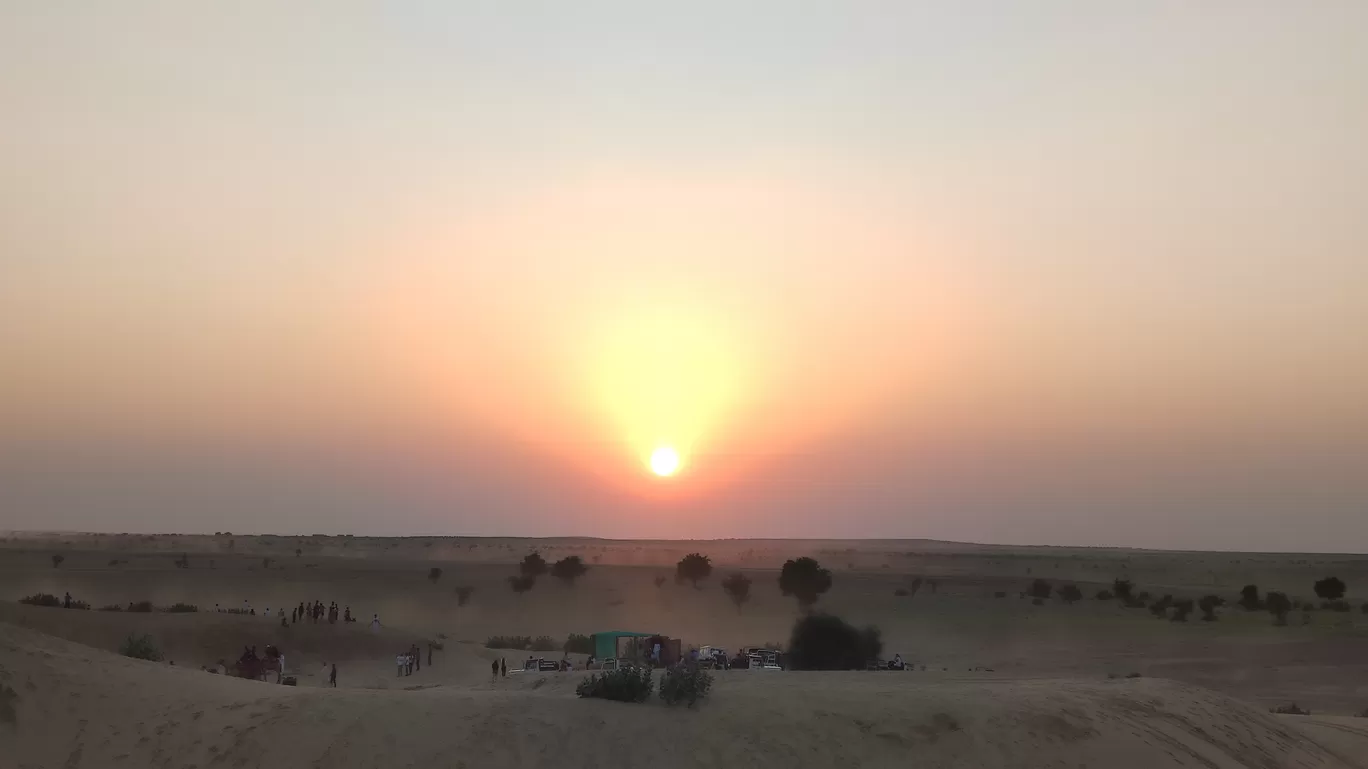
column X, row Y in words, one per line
column 463, row 594
column 1181, row 610
column 57, row 559
column 1249, row 598
column 521, row 583
column 694, row 568
column 1330, row 588
column 738, row 588
column 569, row 569
column 434, row 574
column 298, row 552
column 1279, row 605
column 1160, row 607
column 805, row 580
column 1070, row 593
column 1040, row 589
column 532, row 565
column 1208, row 605
column 1122, row 588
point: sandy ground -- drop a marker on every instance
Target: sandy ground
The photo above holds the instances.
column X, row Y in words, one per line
column 1005, row 683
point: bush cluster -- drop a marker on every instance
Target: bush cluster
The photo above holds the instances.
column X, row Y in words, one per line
column 579, row 644
column 825, row 642
column 509, row 642
column 181, row 608
column 41, row 599
column 685, row 685
column 625, row 685
column 140, row 647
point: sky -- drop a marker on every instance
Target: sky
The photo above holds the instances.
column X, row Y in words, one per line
column 1063, row 272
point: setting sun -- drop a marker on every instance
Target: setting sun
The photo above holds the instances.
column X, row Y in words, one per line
column 664, row 461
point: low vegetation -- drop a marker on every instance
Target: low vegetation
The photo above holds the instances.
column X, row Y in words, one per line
column 1104, row 595
column 140, row 647
column 532, row 565
column 569, row 569
column 1070, row 593
column 826, row 642
column 181, row 608
column 545, row 643
column 1339, row 604
column 140, row 606
column 1289, row 710
column 901, row 592
column 1181, row 610
column 434, row 574
column 41, row 599
column 112, row 607
column 1249, row 598
column 626, row 685
column 1040, row 589
column 659, row 580
column 521, row 583
column 579, row 644
column 57, row 559
column 1330, row 588
column 684, row 685
column 1278, row 605
column 805, row 580
column 1208, row 605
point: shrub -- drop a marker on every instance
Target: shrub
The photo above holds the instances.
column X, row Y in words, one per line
column 183, row 562
column 738, row 587
column 532, row 565
column 520, row 642
column 1181, row 610
column 805, row 580
column 1330, row 588
column 1070, row 593
column 434, row 574
column 75, row 604
column 41, row 599
column 1289, row 710
column 181, row 608
column 684, row 684
column 569, row 569
column 140, row 647
column 825, row 642
column 625, row 685
column 1122, row 588
column 1160, row 607
column 463, row 594
column 521, row 583
column 1279, row 605
column 544, row 643
column 1365, row 608
column 1208, row 605
column 659, row 580
column 579, row 644
column 1104, row 595
column 693, row 567
column 1040, row 589
column 1249, row 598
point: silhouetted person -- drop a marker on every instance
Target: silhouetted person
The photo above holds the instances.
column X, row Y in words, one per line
column 417, row 658
column 494, row 670
column 66, row 602
column 429, row 654
column 332, row 677
column 503, row 667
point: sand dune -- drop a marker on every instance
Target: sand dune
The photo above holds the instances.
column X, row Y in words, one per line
column 70, row 705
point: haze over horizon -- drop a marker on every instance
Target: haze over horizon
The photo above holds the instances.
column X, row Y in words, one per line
column 1070, row 274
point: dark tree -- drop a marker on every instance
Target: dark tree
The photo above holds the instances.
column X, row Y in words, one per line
column 694, row 568
column 1279, row 605
column 1249, row 598
column 1181, row 610
column 824, row 642
column 1160, row 607
column 1070, row 593
column 521, row 583
column 569, row 569
column 463, row 595
column 57, row 559
column 1122, row 588
column 738, row 588
column 1330, row 588
column 1104, row 595
column 532, row 565
column 1208, row 605
column 298, row 552
column 804, row 579
column 434, row 574
column 1040, row 589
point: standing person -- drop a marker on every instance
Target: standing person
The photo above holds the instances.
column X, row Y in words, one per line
column 399, row 662
column 294, row 616
column 429, row 654
column 375, row 623
column 417, row 657
column 332, row 677
column 66, row 602
column 494, row 670
column 503, row 667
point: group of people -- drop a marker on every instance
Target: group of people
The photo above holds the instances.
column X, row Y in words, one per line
column 412, row 660
column 314, row 611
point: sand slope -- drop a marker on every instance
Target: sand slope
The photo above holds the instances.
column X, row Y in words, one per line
column 67, row 705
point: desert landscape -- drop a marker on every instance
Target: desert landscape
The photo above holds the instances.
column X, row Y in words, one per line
column 995, row 677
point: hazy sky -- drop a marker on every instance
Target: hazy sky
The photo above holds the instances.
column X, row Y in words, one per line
column 1048, row 272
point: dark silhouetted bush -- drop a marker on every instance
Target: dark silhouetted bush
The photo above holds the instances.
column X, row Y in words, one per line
column 1104, row 595
column 737, row 587
column 579, row 644
column 1338, row 605
column 532, row 565
column 569, row 569
column 1040, row 589
column 41, row 599
column 463, row 594
column 520, row 642
column 1122, row 588
column 545, row 643
column 112, row 607
column 1160, row 607
column 521, row 583
column 693, row 568
column 1278, row 605
column 1070, row 593
column 1208, row 605
column 140, row 647
column 684, row 684
column 1181, row 610
column 57, row 559
column 1330, row 588
column 825, row 642
column 804, row 579
column 141, row 607
column 900, row 592
column 434, row 574
column 1143, row 596
column 625, row 685
column 1289, row 710
column 1249, row 598
column 181, row 608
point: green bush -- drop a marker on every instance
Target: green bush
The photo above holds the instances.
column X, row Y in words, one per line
column 625, row 685
column 579, row 644
column 181, row 608
column 520, row 642
column 140, row 647
column 685, row 685
column 545, row 643
column 41, row 599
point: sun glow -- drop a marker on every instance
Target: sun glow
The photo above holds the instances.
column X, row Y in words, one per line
column 664, row 461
